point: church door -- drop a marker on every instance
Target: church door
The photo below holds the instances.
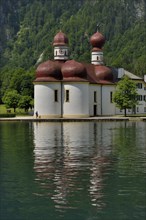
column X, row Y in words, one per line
column 95, row 110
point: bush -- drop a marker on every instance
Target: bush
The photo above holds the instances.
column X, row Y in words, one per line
column 11, row 115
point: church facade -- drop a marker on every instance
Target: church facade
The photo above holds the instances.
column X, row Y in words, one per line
column 67, row 88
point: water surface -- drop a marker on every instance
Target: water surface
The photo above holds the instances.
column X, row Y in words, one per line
column 73, row 171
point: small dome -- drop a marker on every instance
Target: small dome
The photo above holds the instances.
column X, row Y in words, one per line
column 60, row 39
column 96, row 49
column 73, row 68
column 103, row 73
column 97, row 40
column 48, row 69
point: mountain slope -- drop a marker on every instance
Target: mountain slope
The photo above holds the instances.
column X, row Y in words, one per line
column 29, row 28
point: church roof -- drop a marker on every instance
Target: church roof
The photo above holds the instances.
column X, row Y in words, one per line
column 72, row 70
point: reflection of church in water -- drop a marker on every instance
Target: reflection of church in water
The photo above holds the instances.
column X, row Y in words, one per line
column 65, row 154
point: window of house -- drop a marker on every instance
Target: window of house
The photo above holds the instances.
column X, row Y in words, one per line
column 144, row 109
column 144, row 98
column 137, row 109
column 95, row 96
column 67, row 95
column 97, row 58
column 139, row 85
column 139, row 97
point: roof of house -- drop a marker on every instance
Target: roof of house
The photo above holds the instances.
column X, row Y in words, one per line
column 132, row 76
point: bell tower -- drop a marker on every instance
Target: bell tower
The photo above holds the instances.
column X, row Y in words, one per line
column 61, row 50
column 97, row 41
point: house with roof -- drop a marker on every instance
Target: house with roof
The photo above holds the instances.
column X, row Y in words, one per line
column 68, row 88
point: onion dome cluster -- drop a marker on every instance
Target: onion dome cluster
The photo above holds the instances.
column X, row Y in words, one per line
column 72, row 70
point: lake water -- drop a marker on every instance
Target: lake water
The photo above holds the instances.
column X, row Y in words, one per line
column 73, row 171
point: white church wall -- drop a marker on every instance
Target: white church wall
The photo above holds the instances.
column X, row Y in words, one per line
column 45, row 103
column 94, row 101
column 108, row 107
column 78, row 103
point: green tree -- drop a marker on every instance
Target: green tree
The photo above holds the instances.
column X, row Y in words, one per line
column 22, row 81
column 11, row 99
column 25, row 102
column 125, row 96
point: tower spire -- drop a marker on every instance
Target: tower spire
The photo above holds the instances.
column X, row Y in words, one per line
column 97, row 41
column 98, row 27
column 60, row 44
column 60, row 23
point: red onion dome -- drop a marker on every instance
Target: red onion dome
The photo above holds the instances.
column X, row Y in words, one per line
column 72, row 68
column 96, row 49
column 60, row 39
column 49, row 69
column 103, row 73
column 97, row 40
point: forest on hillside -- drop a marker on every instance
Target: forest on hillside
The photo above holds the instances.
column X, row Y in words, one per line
column 28, row 28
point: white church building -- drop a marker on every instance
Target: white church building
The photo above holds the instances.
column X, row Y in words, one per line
column 67, row 88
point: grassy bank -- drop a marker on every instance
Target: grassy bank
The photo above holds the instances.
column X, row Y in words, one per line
column 19, row 112
column 4, row 110
column 4, row 113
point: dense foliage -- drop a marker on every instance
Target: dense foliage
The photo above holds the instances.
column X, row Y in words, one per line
column 11, row 99
column 28, row 28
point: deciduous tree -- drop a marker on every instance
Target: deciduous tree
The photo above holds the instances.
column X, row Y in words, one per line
column 11, row 99
column 25, row 102
column 125, row 96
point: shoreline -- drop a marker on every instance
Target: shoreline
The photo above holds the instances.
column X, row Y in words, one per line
column 103, row 118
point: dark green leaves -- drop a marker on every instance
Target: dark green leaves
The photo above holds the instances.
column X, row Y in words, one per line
column 125, row 95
